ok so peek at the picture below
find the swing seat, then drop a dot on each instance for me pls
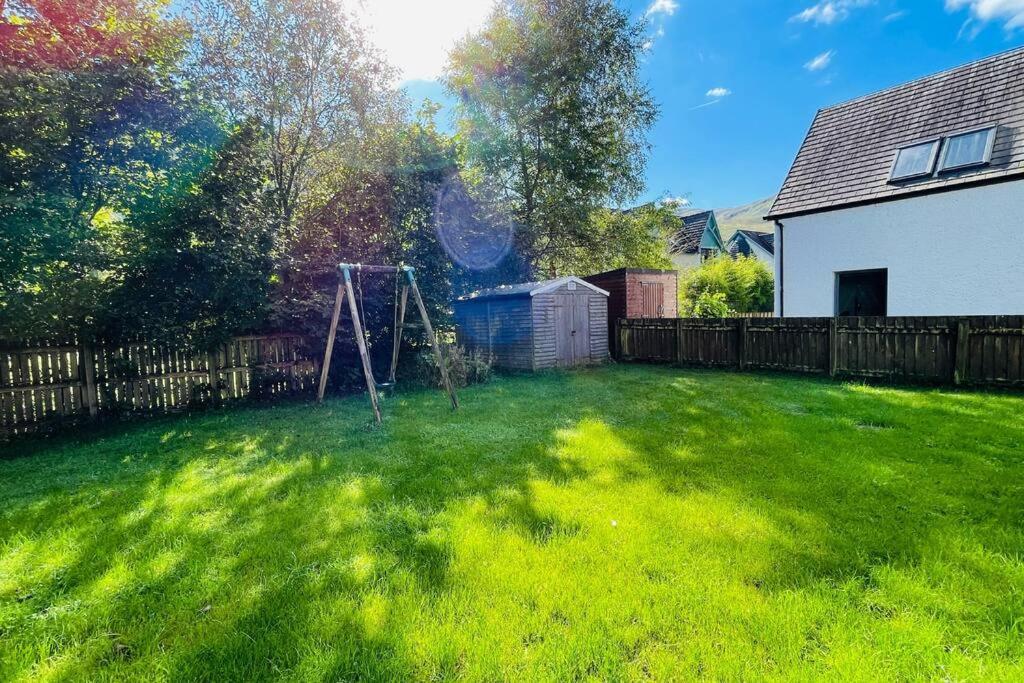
(384, 385)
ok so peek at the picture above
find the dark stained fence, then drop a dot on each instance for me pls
(44, 384)
(979, 351)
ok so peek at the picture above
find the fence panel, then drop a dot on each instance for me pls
(52, 381)
(649, 339)
(980, 351)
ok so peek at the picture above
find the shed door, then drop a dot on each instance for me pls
(581, 330)
(572, 330)
(652, 299)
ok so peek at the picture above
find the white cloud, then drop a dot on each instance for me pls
(821, 61)
(828, 12)
(416, 36)
(719, 92)
(668, 7)
(1010, 12)
(894, 16)
(664, 8)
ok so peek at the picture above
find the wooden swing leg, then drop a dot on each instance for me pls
(357, 325)
(432, 338)
(330, 343)
(399, 324)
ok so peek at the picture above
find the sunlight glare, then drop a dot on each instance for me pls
(415, 35)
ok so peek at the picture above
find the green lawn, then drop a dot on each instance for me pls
(624, 522)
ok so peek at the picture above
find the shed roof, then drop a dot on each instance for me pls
(635, 271)
(527, 289)
(848, 153)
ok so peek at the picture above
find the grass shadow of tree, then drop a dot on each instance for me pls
(264, 524)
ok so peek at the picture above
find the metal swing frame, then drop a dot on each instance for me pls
(345, 290)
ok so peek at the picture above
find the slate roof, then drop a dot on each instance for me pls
(525, 289)
(848, 153)
(765, 240)
(687, 238)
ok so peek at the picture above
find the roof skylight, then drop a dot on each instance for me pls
(973, 148)
(915, 161)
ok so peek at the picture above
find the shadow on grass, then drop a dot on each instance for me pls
(259, 543)
(214, 544)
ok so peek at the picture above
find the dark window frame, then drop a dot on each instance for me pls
(936, 144)
(863, 271)
(986, 157)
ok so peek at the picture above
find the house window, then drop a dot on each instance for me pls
(973, 148)
(707, 254)
(862, 292)
(915, 161)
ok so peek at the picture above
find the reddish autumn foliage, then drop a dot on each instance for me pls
(71, 34)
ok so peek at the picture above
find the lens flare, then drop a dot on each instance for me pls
(472, 227)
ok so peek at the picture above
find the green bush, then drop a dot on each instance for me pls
(724, 285)
(710, 305)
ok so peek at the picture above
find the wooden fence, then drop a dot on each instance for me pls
(980, 351)
(45, 384)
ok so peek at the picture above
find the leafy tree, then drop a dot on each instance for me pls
(623, 239)
(383, 212)
(553, 112)
(198, 270)
(304, 69)
(727, 285)
(70, 34)
(90, 120)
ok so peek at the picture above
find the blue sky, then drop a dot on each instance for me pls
(739, 81)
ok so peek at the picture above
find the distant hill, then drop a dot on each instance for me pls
(746, 217)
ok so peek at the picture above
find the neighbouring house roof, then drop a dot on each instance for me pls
(850, 149)
(688, 238)
(765, 240)
(527, 289)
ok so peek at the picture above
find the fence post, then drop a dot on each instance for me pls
(679, 342)
(616, 338)
(741, 345)
(88, 369)
(833, 346)
(212, 377)
(963, 348)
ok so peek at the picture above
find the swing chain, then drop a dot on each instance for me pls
(366, 332)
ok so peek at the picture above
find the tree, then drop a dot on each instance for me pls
(382, 212)
(552, 111)
(637, 238)
(91, 119)
(725, 285)
(70, 34)
(198, 270)
(304, 69)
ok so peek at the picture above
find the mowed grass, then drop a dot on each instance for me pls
(615, 523)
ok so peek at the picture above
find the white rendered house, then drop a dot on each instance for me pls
(909, 201)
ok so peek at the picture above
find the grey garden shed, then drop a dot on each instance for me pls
(536, 325)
